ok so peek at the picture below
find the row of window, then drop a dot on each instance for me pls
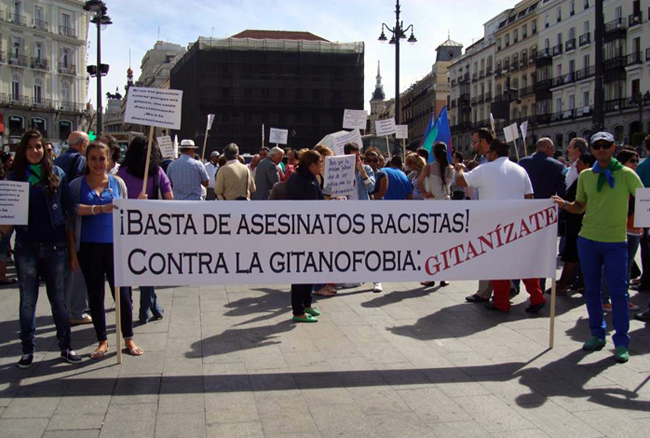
(16, 89)
(16, 14)
(17, 55)
(16, 125)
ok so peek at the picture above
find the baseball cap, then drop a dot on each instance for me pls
(602, 136)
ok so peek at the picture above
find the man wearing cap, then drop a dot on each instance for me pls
(603, 195)
(187, 175)
(211, 167)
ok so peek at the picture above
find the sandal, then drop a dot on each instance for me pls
(137, 351)
(325, 292)
(99, 353)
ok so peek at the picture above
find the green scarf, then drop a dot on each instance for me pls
(34, 174)
(606, 175)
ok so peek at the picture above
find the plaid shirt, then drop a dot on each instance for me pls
(186, 175)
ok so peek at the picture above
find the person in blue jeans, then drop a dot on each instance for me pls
(41, 248)
(603, 194)
(93, 194)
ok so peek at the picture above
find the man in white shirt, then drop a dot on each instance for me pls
(211, 167)
(501, 179)
(576, 147)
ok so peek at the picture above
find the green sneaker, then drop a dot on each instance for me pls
(621, 355)
(594, 344)
(306, 318)
(312, 311)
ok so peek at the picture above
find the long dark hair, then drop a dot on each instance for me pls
(136, 157)
(49, 179)
(440, 154)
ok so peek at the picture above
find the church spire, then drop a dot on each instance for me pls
(379, 88)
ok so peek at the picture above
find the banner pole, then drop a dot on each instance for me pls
(118, 325)
(514, 142)
(388, 148)
(205, 141)
(404, 149)
(551, 339)
(146, 166)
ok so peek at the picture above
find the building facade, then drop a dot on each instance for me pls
(288, 80)
(42, 68)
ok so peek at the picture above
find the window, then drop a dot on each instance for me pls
(65, 92)
(559, 14)
(546, 21)
(524, 31)
(65, 129)
(572, 7)
(533, 26)
(498, 43)
(507, 40)
(586, 4)
(586, 61)
(15, 87)
(38, 17)
(585, 27)
(38, 90)
(39, 124)
(515, 36)
(559, 39)
(16, 125)
(572, 33)
(39, 52)
(66, 57)
(585, 98)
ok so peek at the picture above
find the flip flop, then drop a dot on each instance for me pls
(137, 351)
(98, 354)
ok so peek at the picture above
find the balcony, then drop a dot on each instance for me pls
(474, 77)
(563, 79)
(498, 72)
(40, 25)
(570, 44)
(542, 119)
(67, 69)
(523, 63)
(615, 29)
(562, 115)
(20, 60)
(481, 74)
(615, 105)
(634, 58)
(464, 98)
(514, 66)
(70, 106)
(40, 102)
(532, 58)
(584, 73)
(557, 50)
(526, 91)
(15, 99)
(40, 63)
(16, 19)
(584, 39)
(615, 63)
(453, 82)
(67, 31)
(473, 101)
(584, 111)
(488, 71)
(635, 19)
(543, 57)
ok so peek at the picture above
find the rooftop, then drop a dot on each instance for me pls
(278, 35)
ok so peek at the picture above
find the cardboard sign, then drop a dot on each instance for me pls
(385, 127)
(210, 121)
(402, 131)
(524, 129)
(341, 140)
(14, 203)
(154, 107)
(642, 208)
(166, 147)
(334, 241)
(278, 136)
(511, 132)
(339, 175)
(355, 119)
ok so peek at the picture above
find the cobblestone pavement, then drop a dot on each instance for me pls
(409, 362)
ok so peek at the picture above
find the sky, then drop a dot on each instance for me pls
(138, 24)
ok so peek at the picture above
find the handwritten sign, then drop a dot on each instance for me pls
(154, 107)
(339, 175)
(278, 136)
(355, 119)
(341, 140)
(402, 131)
(14, 203)
(385, 127)
(511, 133)
(642, 208)
(166, 147)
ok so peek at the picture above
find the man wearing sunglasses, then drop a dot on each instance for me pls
(603, 194)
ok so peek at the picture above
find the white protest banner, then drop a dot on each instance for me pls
(402, 131)
(198, 243)
(355, 119)
(524, 129)
(166, 147)
(642, 208)
(14, 203)
(339, 175)
(210, 121)
(154, 107)
(385, 127)
(511, 132)
(278, 136)
(341, 139)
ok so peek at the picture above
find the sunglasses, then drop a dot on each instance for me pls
(598, 146)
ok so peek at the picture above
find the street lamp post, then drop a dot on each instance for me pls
(100, 19)
(398, 32)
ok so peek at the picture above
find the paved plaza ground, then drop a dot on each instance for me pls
(226, 361)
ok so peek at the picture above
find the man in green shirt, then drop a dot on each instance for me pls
(603, 195)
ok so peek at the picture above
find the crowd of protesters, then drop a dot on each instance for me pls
(68, 241)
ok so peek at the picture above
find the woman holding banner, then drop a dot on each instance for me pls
(303, 185)
(94, 193)
(41, 249)
(158, 187)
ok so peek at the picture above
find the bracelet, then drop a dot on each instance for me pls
(92, 209)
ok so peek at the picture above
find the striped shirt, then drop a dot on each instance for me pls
(186, 175)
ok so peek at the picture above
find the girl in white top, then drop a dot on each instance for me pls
(438, 175)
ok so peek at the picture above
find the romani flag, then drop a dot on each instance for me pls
(438, 131)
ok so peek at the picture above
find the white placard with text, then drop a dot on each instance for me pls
(385, 127)
(154, 107)
(355, 119)
(14, 203)
(278, 136)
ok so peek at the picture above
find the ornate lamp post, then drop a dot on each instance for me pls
(98, 7)
(398, 32)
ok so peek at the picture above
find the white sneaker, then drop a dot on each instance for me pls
(377, 288)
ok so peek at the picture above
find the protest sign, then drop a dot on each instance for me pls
(642, 208)
(402, 131)
(385, 127)
(166, 147)
(196, 243)
(355, 119)
(341, 138)
(278, 136)
(154, 107)
(14, 203)
(339, 175)
(524, 129)
(511, 133)
(210, 121)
